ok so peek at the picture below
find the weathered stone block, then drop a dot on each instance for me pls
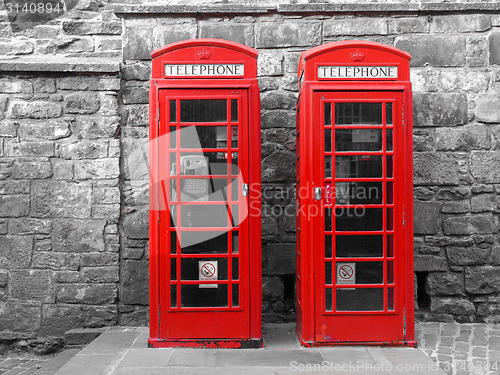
(106, 194)
(278, 100)
(87, 27)
(108, 43)
(44, 85)
(409, 25)
(435, 169)
(457, 207)
(78, 236)
(355, 26)
(461, 23)
(454, 306)
(279, 167)
(15, 251)
(481, 163)
(494, 43)
(135, 285)
(134, 93)
(50, 130)
(35, 110)
(430, 263)
(24, 169)
(82, 103)
(99, 259)
(89, 294)
(476, 224)
(89, 83)
(235, 32)
(468, 137)
(136, 224)
(95, 128)
(84, 150)
(20, 317)
(163, 35)
(29, 149)
(138, 43)
(4, 278)
(426, 217)
(28, 225)
(110, 212)
(14, 205)
(287, 34)
(58, 319)
(270, 64)
(483, 203)
(272, 288)
(17, 48)
(467, 256)
(453, 193)
(278, 119)
(269, 226)
(439, 109)
(434, 50)
(63, 169)
(60, 199)
(137, 115)
(447, 284)
(31, 285)
(56, 261)
(482, 280)
(281, 259)
(15, 86)
(139, 71)
(97, 169)
(484, 110)
(100, 274)
(8, 128)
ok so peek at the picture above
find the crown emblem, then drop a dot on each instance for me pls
(203, 54)
(357, 55)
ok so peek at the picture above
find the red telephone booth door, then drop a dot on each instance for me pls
(206, 269)
(360, 246)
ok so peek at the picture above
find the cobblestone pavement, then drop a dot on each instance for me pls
(21, 365)
(462, 349)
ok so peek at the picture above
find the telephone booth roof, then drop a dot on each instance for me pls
(355, 53)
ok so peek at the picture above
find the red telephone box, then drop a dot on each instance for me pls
(205, 242)
(354, 191)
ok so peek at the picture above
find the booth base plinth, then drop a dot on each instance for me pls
(207, 343)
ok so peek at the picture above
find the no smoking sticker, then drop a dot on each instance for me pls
(346, 273)
(207, 271)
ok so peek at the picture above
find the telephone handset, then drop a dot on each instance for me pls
(192, 188)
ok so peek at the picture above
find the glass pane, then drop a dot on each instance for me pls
(173, 111)
(389, 166)
(204, 216)
(360, 273)
(235, 219)
(388, 113)
(328, 273)
(328, 299)
(190, 268)
(235, 270)
(358, 113)
(358, 139)
(234, 110)
(204, 110)
(173, 137)
(390, 299)
(204, 136)
(328, 113)
(328, 140)
(173, 242)
(236, 295)
(173, 269)
(201, 164)
(194, 296)
(235, 190)
(360, 299)
(358, 192)
(173, 295)
(328, 246)
(328, 166)
(234, 136)
(358, 219)
(234, 163)
(390, 272)
(390, 219)
(204, 190)
(389, 139)
(358, 166)
(359, 246)
(390, 193)
(207, 242)
(236, 238)
(390, 245)
(328, 219)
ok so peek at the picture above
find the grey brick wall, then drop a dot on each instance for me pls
(73, 205)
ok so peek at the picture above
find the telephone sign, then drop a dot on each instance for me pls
(205, 245)
(355, 255)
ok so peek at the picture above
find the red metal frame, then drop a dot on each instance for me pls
(315, 325)
(228, 327)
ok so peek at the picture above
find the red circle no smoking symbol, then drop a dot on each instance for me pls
(345, 272)
(208, 270)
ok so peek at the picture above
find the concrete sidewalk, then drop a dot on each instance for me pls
(122, 351)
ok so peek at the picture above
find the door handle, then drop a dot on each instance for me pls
(317, 193)
(244, 189)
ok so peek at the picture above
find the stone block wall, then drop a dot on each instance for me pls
(73, 154)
